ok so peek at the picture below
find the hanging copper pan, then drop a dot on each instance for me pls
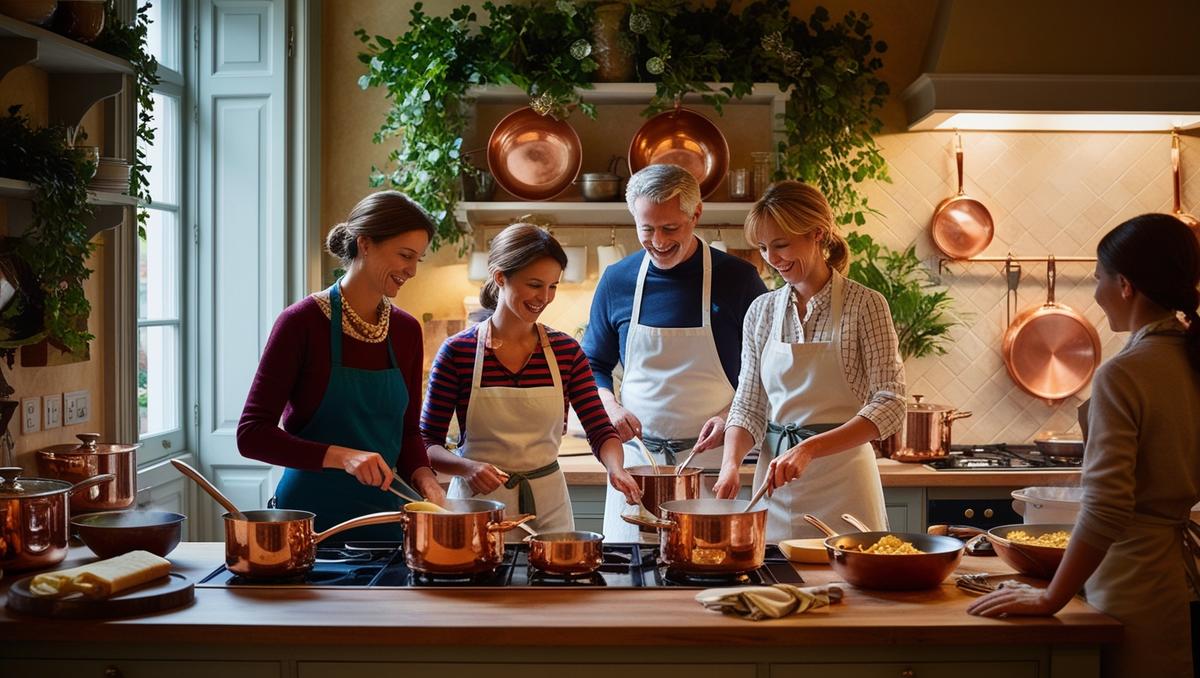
(686, 138)
(1191, 220)
(532, 156)
(961, 227)
(1051, 351)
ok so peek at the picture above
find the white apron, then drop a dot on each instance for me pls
(673, 382)
(805, 385)
(518, 430)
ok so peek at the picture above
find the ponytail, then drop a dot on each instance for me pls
(489, 294)
(838, 255)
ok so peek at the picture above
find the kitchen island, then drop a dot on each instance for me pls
(328, 633)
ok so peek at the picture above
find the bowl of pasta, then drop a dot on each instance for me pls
(1035, 550)
(895, 561)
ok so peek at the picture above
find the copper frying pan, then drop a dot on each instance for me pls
(961, 227)
(1051, 351)
(686, 138)
(1186, 218)
(533, 157)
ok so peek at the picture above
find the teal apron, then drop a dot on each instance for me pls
(363, 410)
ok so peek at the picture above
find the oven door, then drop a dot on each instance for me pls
(983, 513)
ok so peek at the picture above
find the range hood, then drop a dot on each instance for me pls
(1072, 65)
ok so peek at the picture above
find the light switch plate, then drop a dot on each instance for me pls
(31, 415)
(52, 411)
(77, 407)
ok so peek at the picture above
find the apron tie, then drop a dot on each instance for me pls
(520, 480)
(794, 434)
(669, 448)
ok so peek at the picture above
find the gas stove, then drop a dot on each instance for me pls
(626, 566)
(1001, 457)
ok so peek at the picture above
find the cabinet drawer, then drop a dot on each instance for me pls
(122, 668)
(520, 670)
(975, 669)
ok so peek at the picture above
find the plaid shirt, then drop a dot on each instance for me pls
(870, 355)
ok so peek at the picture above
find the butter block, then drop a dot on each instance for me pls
(103, 578)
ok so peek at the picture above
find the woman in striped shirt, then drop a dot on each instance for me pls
(509, 380)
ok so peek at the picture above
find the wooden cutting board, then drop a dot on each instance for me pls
(167, 593)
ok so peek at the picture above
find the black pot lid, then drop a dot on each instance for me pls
(14, 487)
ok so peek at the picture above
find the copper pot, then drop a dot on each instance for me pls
(466, 539)
(33, 518)
(709, 536)
(662, 485)
(532, 156)
(74, 463)
(34, 11)
(926, 432)
(686, 138)
(894, 572)
(962, 227)
(570, 554)
(81, 20)
(278, 543)
(1036, 561)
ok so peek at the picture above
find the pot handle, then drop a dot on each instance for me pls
(511, 523)
(88, 482)
(362, 521)
(958, 414)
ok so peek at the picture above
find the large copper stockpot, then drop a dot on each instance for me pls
(686, 138)
(709, 536)
(532, 156)
(33, 518)
(1051, 351)
(962, 227)
(279, 543)
(925, 434)
(74, 463)
(566, 553)
(468, 538)
(660, 485)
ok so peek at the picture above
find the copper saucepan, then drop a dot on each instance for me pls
(709, 536)
(962, 227)
(662, 484)
(34, 516)
(925, 434)
(76, 462)
(1051, 351)
(569, 554)
(532, 156)
(1191, 220)
(467, 538)
(686, 138)
(280, 543)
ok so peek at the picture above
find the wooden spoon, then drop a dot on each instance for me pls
(649, 457)
(208, 487)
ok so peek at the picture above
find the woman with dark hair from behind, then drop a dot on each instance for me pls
(1132, 544)
(337, 396)
(509, 380)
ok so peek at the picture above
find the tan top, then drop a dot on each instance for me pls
(1143, 437)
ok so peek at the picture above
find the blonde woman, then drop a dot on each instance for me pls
(821, 373)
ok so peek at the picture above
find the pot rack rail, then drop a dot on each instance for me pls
(1015, 259)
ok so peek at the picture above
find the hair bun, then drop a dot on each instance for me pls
(338, 241)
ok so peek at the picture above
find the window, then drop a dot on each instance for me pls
(160, 265)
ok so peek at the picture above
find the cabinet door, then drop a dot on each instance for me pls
(905, 508)
(587, 504)
(521, 670)
(100, 668)
(980, 669)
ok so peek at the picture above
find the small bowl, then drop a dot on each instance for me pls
(113, 533)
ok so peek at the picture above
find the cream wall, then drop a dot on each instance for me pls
(1049, 193)
(26, 85)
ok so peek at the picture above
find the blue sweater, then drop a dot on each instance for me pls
(670, 298)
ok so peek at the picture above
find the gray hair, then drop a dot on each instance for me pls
(660, 183)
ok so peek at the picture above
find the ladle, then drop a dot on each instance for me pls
(208, 487)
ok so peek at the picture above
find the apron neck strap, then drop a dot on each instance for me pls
(485, 330)
(705, 291)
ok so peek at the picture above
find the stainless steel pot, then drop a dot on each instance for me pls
(662, 484)
(925, 434)
(77, 462)
(466, 539)
(709, 536)
(600, 186)
(33, 518)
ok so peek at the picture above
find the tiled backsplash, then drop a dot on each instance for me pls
(1048, 193)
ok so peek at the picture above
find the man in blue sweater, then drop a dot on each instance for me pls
(672, 317)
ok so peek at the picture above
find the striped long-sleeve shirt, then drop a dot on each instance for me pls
(450, 385)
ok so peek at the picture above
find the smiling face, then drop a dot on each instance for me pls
(665, 231)
(528, 292)
(388, 264)
(796, 257)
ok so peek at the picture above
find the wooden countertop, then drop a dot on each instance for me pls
(582, 468)
(524, 617)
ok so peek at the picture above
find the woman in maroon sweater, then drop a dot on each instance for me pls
(509, 380)
(336, 398)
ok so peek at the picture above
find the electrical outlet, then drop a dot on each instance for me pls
(77, 407)
(31, 415)
(52, 411)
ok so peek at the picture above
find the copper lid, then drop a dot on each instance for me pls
(12, 486)
(88, 444)
(917, 406)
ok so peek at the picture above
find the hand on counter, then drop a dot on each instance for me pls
(1017, 600)
(368, 467)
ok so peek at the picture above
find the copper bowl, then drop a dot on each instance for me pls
(534, 157)
(686, 138)
(1036, 561)
(910, 572)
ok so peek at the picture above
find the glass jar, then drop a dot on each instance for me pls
(764, 168)
(739, 184)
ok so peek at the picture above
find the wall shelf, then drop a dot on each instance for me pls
(571, 214)
(109, 212)
(624, 93)
(59, 54)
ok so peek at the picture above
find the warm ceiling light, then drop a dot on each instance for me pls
(1064, 122)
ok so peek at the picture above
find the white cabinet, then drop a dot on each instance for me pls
(162, 488)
